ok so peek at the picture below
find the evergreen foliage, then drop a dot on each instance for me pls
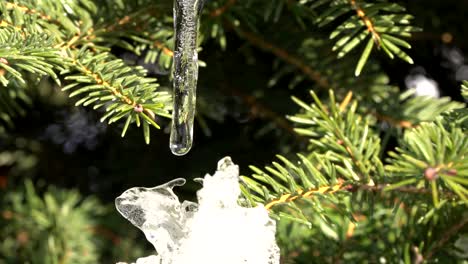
(59, 226)
(38, 228)
(377, 175)
(341, 185)
(69, 43)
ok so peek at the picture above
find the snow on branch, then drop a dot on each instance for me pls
(216, 230)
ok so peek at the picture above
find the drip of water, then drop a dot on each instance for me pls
(186, 17)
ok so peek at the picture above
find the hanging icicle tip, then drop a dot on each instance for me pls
(186, 18)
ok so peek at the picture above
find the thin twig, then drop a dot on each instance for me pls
(221, 10)
(289, 197)
(106, 233)
(261, 110)
(120, 22)
(446, 237)
(366, 20)
(284, 55)
(286, 198)
(28, 10)
(394, 122)
(104, 83)
(163, 48)
(381, 187)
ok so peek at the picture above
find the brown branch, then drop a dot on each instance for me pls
(68, 44)
(120, 22)
(101, 81)
(261, 110)
(289, 197)
(164, 49)
(136, 17)
(402, 189)
(129, 18)
(97, 78)
(28, 10)
(446, 237)
(285, 198)
(394, 122)
(41, 15)
(31, 11)
(106, 233)
(4, 23)
(219, 11)
(284, 55)
(367, 21)
(381, 187)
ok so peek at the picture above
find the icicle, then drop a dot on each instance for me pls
(186, 16)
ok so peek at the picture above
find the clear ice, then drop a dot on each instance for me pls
(216, 230)
(186, 16)
(158, 213)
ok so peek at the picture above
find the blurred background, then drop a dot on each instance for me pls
(241, 113)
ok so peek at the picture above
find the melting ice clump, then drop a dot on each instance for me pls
(216, 230)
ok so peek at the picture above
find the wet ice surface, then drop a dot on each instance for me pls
(158, 213)
(186, 17)
(216, 230)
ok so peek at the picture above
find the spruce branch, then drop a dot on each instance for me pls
(302, 194)
(106, 81)
(14, 6)
(464, 90)
(366, 20)
(312, 178)
(344, 153)
(344, 132)
(31, 53)
(445, 238)
(433, 156)
(258, 109)
(60, 23)
(459, 116)
(79, 46)
(58, 217)
(343, 160)
(258, 41)
(406, 110)
(380, 24)
(23, 56)
(137, 31)
(314, 51)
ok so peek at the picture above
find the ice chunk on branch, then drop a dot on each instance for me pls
(216, 230)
